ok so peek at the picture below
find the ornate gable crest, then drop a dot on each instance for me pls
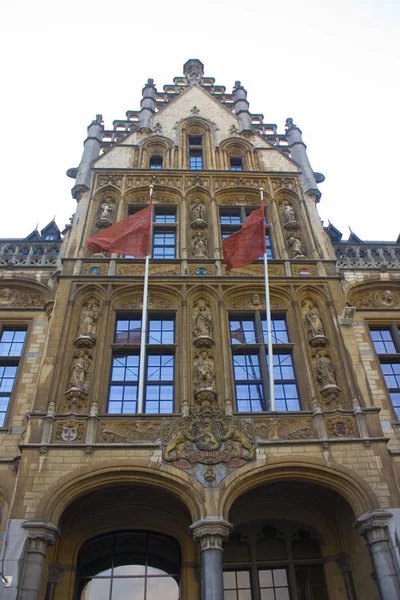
(208, 440)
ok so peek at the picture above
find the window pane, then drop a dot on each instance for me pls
(383, 341)
(128, 331)
(11, 342)
(165, 215)
(279, 331)
(97, 589)
(230, 217)
(242, 331)
(246, 366)
(128, 588)
(161, 331)
(165, 588)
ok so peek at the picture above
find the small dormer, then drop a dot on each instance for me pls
(334, 234)
(34, 236)
(51, 232)
(354, 239)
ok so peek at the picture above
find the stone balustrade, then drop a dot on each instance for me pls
(29, 254)
(367, 256)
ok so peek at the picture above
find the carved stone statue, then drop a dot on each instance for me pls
(88, 324)
(315, 330)
(105, 213)
(198, 216)
(199, 246)
(325, 371)
(289, 217)
(202, 326)
(288, 212)
(204, 372)
(296, 247)
(79, 370)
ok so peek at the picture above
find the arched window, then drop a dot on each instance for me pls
(129, 564)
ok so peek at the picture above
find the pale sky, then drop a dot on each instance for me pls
(331, 65)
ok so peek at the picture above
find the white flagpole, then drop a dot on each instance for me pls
(143, 337)
(269, 329)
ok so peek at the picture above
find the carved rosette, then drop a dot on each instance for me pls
(210, 533)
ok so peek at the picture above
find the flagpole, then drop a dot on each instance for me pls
(143, 337)
(269, 328)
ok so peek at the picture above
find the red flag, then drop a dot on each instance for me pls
(246, 245)
(129, 236)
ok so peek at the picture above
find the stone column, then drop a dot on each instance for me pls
(147, 106)
(241, 108)
(41, 535)
(298, 150)
(373, 526)
(55, 572)
(210, 532)
(343, 561)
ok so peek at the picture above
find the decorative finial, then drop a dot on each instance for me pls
(289, 123)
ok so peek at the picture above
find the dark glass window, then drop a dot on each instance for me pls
(236, 163)
(164, 231)
(159, 366)
(248, 336)
(264, 566)
(156, 162)
(232, 218)
(164, 243)
(195, 160)
(136, 564)
(11, 347)
(195, 152)
(386, 341)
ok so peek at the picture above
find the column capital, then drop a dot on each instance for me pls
(210, 532)
(373, 521)
(42, 531)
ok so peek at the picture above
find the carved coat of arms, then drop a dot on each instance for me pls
(70, 431)
(208, 437)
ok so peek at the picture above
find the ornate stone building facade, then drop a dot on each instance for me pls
(205, 493)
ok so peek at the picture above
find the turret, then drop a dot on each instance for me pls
(298, 150)
(91, 151)
(147, 106)
(241, 107)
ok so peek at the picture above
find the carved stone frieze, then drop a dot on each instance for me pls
(228, 182)
(284, 429)
(137, 302)
(145, 181)
(165, 269)
(340, 426)
(254, 301)
(125, 432)
(70, 431)
(110, 179)
(257, 270)
(209, 437)
(197, 181)
(130, 269)
(95, 269)
(20, 298)
(283, 182)
(376, 299)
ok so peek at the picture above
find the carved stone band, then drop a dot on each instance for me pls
(210, 533)
(39, 530)
(374, 520)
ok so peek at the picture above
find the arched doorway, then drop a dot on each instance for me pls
(295, 540)
(128, 541)
(125, 565)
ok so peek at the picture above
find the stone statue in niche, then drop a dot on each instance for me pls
(315, 331)
(198, 216)
(202, 326)
(79, 370)
(325, 373)
(199, 246)
(289, 217)
(296, 247)
(76, 396)
(88, 324)
(105, 213)
(204, 379)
